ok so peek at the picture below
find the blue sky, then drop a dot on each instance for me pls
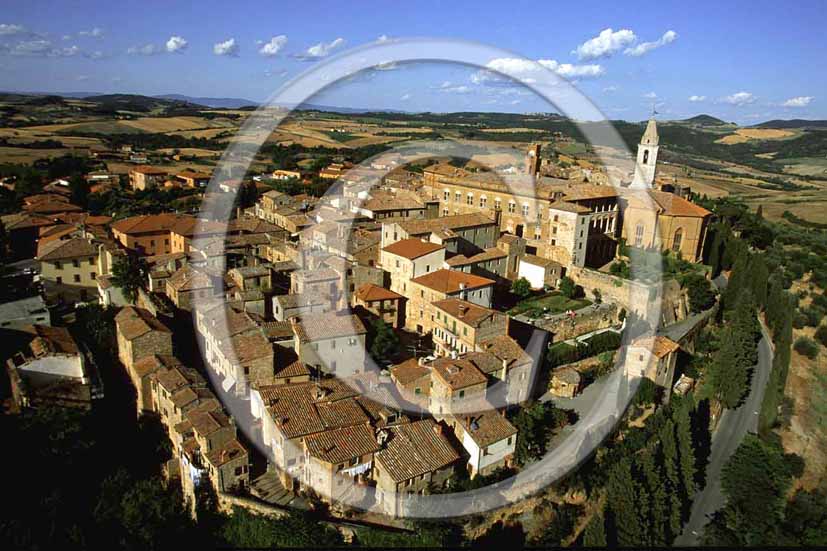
(742, 61)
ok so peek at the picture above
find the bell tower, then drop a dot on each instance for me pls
(647, 157)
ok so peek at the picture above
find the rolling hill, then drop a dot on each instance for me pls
(792, 123)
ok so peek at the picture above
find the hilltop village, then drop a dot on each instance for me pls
(366, 346)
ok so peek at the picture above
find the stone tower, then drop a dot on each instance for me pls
(533, 161)
(647, 157)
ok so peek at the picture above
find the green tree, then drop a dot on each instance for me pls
(297, 529)
(79, 188)
(821, 335)
(385, 341)
(129, 272)
(567, 287)
(594, 535)
(700, 292)
(521, 287)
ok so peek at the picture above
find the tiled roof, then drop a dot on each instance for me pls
(458, 373)
(65, 249)
(565, 206)
(674, 205)
(370, 292)
(50, 340)
(538, 261)
(153, 170)
(294, 408)
(486, 428)
(409, 371)
(507, 349)
(149, 223)
(660, 346)
(313, 327)
(342, 445)
(454, 222)
(412, 248)
(153, 363)
(465, 311)
(133, 322)
(226, 453)
(414, 449)
(450, 281)
(187, 278)
(488, 254)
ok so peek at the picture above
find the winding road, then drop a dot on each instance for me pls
(732, 427)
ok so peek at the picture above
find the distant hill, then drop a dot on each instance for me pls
(704, 120)
(793, 123)
(219, 103)
(138, 103)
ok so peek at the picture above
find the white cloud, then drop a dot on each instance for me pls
(697, 99)
(7, 29)
(382, 38)
(528, 71)
(610, 89)
(646, 47)
(321, 49)
(605, 44)
(97, 54)
(176, 44)
(650, 95)
(452, 88)
(405, 97)
(146, 49)
(94, 33)
(798, 101)
(39, 48)
(739, 98)
(81, 78)
(274, 46)
(226, 48)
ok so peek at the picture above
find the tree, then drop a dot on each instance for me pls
(79, 188)
(700, 292)
(129, 272)
(385, 341)
(521, 287)
(297, 529)
(821, 335)
(535, 424)
(727, 373)
(806, 347)
(594, 535)
(567, 287)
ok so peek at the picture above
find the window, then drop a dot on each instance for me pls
(511, 206)
(59, 280)
(676, 241)
(538, 233)
(446, 196)
(458, 197)
(646, 156)
(76, 278)
(556, 217)
(525, 210)
(58, 266)
(397, 262)
(333, 344)
(638, 235)
(444, 212)
(462, 394)
(469, 200)
(93, 275)
(76, 263)
(483, 201)
(427, 268)
(497, 204)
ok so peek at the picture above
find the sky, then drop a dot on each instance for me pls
(740, 61)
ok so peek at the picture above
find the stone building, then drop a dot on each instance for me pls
(410, 258)
(425, 290)
(69, 269)
(461, 326)
(382, 303)
(140, 335)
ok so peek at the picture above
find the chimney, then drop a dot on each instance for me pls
(462, 309)
(438, 429)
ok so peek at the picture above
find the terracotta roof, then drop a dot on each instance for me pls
(50, 340)
(133, 322)
(674, 205)
(187, 278)
(149, 223)
(412, 248)
(151, 170)
(454, 222)
(507, 349)
(492, 253)
(568, 375)
(538, 261)
(450, 281)
(370, 292)
(565, 206)
(660, 346)
(226, 453)
(294, 408)
(486, 428)
(409, 371)
(153, 363)
(414, 449)
(458, 373)
(313, 327)
(465, 311)
(188, 227)
(342, 445)
(191, 174)
(205, 423)
(65, 249)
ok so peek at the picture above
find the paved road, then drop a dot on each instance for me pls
(732, 428)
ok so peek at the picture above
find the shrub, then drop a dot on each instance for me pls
(821, 335)
(806, 347)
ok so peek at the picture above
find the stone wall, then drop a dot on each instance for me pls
(588, 319)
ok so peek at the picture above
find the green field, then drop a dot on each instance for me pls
(555, 302)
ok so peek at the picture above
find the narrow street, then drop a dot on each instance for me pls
(732, 427)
